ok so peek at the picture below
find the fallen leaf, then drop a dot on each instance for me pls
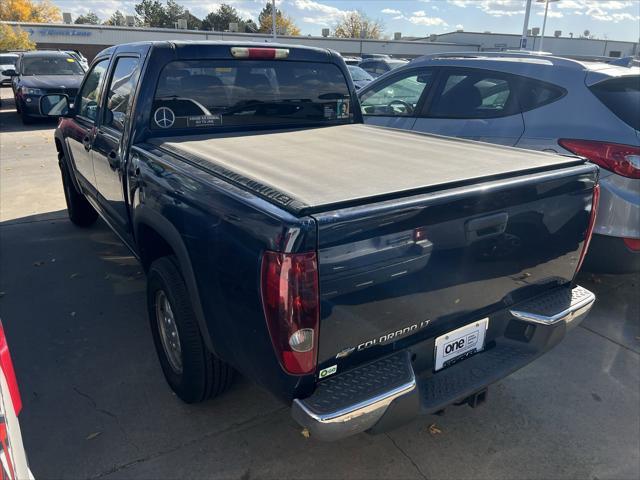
(73, 314)
(2, 294)
(305, 433)
(93, 435)
(38, 264)
(74, 275)
(434, 429)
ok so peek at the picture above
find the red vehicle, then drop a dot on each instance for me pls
(13, 459)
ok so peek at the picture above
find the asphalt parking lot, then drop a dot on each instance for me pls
(96, 405)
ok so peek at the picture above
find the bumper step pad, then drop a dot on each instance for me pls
(465, 378)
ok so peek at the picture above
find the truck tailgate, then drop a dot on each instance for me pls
(401, 271)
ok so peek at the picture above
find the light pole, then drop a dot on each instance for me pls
(523, 39)
(544, 22)
(273, 17)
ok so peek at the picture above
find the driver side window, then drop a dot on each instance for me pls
(88, 98)
(398, 98)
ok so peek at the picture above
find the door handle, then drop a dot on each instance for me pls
(114, 160)
(487, 226)
(86, 141)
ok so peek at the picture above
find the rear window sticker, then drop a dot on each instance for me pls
(164, 117)
(343, 109)
(329, 111)
(204, 120)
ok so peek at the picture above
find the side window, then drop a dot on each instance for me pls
(475, 95)
(88, 96)
(397, 98)
(120, 92)
(533, 94)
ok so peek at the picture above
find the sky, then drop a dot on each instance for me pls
(607, 19)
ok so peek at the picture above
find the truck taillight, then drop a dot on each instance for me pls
(290, 299)
(592, 222)
(632, 244)
(615, 157)
(259, 53)
(9, 373)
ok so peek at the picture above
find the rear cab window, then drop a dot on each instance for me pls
(222, 93)
(621, 95)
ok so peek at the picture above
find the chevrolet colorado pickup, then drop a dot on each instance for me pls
(363, 275)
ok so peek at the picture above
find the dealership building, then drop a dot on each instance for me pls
(90, 39)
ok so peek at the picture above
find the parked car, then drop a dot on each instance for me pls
(352, 60)
(542, 103)
(13, 459)
(376, 66)
(39, 73)
(80, 58)
(359, 76)
(626, 62)
(7, 61)
(363, 275)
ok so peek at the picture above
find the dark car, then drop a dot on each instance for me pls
(359, 76)
(379, 66)
(40, 73)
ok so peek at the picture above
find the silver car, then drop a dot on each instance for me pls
(538, 102)
(7, 61)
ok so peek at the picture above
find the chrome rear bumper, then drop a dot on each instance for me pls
(380, 392)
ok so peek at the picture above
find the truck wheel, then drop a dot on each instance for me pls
(193, 373)
(80, 211)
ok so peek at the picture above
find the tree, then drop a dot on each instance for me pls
(284, 23)
(88, 19)
(29, 11)
(220, 19)
(151, 13)
(14, 39)
(154, 14)
(116, 19)
(358, 25)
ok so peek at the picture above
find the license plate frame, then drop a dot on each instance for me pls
(459, 344)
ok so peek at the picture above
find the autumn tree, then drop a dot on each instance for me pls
(284, 23)
(358, 25)
(88, 19)
(29, 11)
(14, 39)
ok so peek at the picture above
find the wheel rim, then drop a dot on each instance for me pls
(168, 332)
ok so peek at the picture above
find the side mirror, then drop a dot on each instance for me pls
(423, 78)
(10, 72)
(54, 105)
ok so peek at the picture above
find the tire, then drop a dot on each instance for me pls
(80, 211)
(201, 375)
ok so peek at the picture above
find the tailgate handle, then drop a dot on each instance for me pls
(486, 227)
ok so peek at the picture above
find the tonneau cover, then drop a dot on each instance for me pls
(309, 170)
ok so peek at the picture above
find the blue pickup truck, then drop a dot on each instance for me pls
(363, 275)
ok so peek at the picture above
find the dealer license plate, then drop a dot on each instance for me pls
(455, 346)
